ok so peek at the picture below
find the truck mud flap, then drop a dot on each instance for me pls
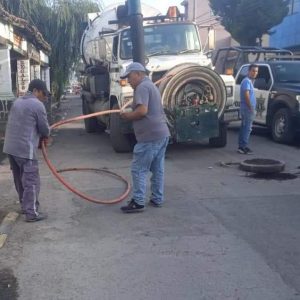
(194, 124)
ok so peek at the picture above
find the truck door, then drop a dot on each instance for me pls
(115, 67)
(239, 78)
(262, 86)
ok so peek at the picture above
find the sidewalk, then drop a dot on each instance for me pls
(8, 199)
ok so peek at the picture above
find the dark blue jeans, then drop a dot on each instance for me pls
(149, 156)
(247, 117)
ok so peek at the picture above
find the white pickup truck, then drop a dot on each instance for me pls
(277, 87)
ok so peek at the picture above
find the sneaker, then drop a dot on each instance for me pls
(154, 204)
(242, 150)
(37, 218)
(249, 151)
(132, 207)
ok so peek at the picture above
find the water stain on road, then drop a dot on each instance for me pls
(273, 176)
(8, 285)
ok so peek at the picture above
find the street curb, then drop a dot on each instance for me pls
(6, 226)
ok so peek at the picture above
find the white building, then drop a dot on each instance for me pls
(213, 34)
(23, 57)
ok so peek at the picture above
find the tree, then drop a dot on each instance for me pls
(248, 20)
(61, 23)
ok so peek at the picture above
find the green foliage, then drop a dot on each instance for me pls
(61, 23)
(248, 20)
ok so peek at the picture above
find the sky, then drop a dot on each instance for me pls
(162, 5)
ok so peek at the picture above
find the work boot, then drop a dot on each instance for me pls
(132, 207)
(39, 217)
(242, 150)
(249, 151)
(154, 204)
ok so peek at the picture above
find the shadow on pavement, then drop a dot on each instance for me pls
(2, 155)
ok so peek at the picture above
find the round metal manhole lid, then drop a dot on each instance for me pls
(262, 165)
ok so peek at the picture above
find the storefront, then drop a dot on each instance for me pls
(23, 57)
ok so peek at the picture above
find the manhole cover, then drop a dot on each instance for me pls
(262, 165)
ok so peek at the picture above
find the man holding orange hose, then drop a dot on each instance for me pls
(27, 124)
(152, 134)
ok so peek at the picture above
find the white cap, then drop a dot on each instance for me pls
(135, 66)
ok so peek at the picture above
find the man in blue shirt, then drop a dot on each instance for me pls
(248, 105)
(152, 134)
(27, 124)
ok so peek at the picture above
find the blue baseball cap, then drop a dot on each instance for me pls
(135, 66)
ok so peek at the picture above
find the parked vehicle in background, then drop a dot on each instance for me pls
(68, 90)
(76, 89)
(277, 86)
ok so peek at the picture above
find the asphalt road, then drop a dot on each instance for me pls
(222, 234)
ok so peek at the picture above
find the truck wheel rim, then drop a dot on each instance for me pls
(280, 126)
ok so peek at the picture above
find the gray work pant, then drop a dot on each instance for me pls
(27, 183)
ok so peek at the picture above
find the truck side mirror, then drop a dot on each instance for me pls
(211, 39)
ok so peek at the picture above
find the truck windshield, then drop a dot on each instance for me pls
(287, 72)
(164, 40)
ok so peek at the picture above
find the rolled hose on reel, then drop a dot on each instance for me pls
(188, 80)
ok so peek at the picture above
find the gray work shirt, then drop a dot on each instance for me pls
(27, 122)
(153, 126)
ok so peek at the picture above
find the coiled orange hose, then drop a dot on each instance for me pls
(70, 187)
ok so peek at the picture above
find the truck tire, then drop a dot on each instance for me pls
(282, 127)
(221, 140)
(121, 142)
(91, 124)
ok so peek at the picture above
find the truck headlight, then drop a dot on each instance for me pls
(229, 91)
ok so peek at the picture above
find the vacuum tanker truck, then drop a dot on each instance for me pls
(194, 96)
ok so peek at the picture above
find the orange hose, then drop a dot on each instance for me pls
(70, 187)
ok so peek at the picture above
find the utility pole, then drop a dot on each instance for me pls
(194, 11)
(137, 30)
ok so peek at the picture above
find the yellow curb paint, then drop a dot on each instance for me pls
(3, 238)
(11, 217)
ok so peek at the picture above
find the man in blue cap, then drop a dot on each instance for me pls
(27, 124)
(152, 135)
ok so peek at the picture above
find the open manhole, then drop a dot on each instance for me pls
(262, 166)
